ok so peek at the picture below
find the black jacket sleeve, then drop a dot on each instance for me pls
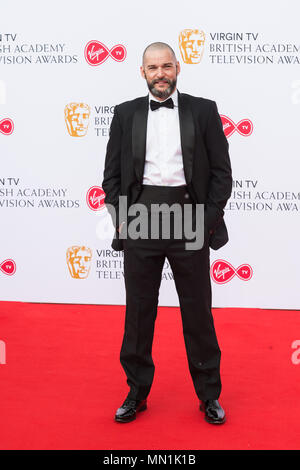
(112, 168)
(220, 169)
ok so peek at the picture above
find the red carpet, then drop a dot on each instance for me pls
(62, 381)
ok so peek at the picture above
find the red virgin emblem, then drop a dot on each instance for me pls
(221, 271)
(96, 53)
(243, 127)
(95, 198)
(8, 267)
(6, 126)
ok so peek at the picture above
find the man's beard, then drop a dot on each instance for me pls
(163, 94)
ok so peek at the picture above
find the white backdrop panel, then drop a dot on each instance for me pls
(254, 76)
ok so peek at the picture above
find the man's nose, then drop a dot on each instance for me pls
(160, 72)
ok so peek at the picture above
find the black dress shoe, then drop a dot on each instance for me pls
(127, 412)
(214, 413)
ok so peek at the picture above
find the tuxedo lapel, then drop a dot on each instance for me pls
(139, 134)
(187, 134)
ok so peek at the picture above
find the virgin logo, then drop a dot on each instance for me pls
(243, 127)
(96, 53)
(8, 267)
(95, 198)
(6, 126)
(221, 271)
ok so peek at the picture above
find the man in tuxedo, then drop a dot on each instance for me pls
(168, 148)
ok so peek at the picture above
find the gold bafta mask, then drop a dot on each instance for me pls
(77, 117)
(79, 261)
(191, 45)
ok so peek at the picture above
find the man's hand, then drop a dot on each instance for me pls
(120, 227)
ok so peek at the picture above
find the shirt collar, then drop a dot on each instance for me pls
(174, 97)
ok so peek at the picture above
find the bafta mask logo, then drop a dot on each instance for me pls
(77, 117)
(79, 261)
(191, 45)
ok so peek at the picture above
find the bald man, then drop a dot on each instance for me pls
(167, 149)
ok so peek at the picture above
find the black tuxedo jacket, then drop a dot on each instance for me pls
(206, 160)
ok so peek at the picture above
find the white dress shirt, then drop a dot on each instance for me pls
(163, 160)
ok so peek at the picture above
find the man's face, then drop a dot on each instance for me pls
(160, 69)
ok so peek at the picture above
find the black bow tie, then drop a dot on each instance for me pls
(158, 104)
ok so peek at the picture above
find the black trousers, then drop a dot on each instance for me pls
(143, 264)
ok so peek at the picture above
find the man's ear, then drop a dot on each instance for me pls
(178, 67)
(142, 71)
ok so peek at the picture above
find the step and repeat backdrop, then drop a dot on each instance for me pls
(65, 65)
